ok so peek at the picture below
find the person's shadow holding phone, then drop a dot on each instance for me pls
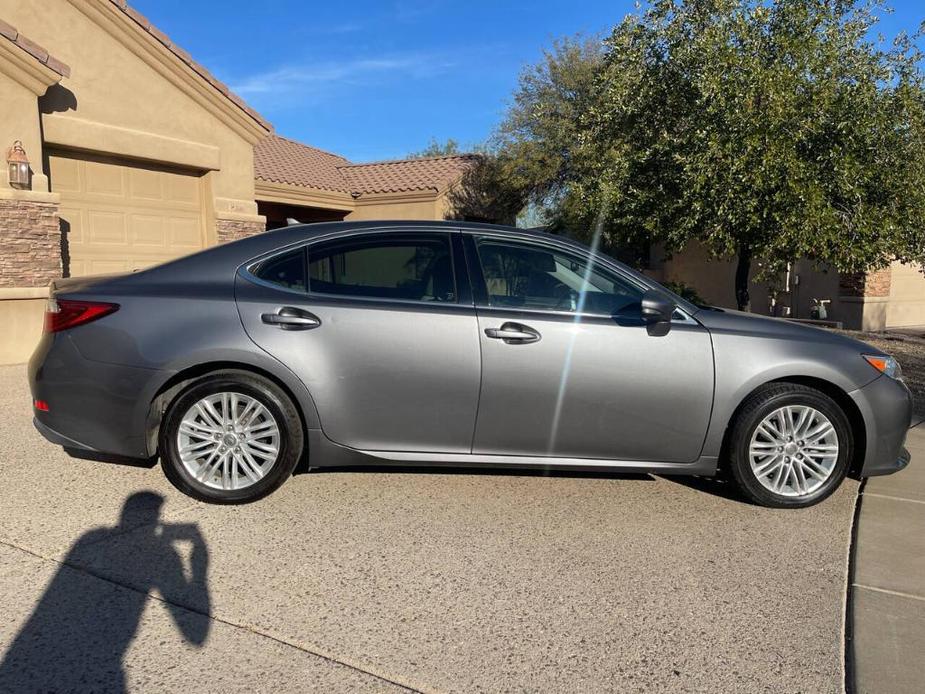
(79, 632)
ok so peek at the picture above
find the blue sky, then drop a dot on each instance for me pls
(377, 80)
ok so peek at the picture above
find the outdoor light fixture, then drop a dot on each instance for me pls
(18, 166)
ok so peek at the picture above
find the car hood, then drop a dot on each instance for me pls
(740, 323)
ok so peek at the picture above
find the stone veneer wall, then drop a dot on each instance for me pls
(870, 284)
(232, 230)
(30, 243)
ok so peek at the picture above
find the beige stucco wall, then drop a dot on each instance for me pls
(128, 96)
(419, 206)
(907, 297)
(22, 79)
(714, 281)
(22, 325)
(123, 97)
(19, 120)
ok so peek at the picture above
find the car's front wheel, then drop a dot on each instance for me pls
(230, 437)
(790, 446)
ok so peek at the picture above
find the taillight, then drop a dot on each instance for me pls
(61, 314)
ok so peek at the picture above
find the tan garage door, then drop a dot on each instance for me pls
(119, 215)
(907, 297)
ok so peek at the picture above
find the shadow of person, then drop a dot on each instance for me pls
(78, 634)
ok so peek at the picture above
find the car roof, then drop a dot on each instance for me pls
(299, 232)
(386, 225)
(212, 264)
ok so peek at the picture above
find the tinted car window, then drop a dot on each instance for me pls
(287, 270)
(418, 268)
(536, 277)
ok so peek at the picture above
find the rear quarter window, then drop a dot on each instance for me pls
(286, 270)
(414, 267)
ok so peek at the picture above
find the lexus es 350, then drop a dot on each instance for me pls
(453, 344)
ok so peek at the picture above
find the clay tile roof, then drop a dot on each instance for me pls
(403, 175)
(161, 37)
(32, 48)
(280, 160)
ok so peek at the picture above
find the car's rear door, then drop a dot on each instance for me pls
(381, 328)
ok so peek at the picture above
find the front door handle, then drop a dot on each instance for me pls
(291, 318)
(513, 334)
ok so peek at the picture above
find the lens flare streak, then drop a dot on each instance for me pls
(575, 332)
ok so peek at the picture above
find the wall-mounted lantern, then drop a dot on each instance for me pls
(18, 166)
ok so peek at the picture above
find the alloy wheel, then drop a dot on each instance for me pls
(228, 441)
(794, 450)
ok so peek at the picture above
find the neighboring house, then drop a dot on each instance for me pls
(138, 155)
(295, 181)
(890, 298)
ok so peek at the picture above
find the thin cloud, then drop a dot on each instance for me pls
(345, 28)
(412, 10)
(289, 78)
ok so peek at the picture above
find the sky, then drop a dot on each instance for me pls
(378, 80)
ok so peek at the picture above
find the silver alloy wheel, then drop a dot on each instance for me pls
(793, 450)
(228, 441)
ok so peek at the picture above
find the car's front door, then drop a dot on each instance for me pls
(569, 369)
(381, 329)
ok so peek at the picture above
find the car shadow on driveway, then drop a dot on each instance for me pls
(716, 486)
(432, 469)
(80, 630)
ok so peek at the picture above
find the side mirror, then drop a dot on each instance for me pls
(657, 310)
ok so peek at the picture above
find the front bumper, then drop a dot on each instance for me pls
(886, 406)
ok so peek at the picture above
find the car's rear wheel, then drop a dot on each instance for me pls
(790, 446)
(230, 437)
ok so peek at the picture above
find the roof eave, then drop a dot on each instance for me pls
(290, 194)
(125, 25)
(23, 67)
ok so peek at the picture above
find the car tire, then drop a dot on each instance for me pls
(197, 453)
(790, 446)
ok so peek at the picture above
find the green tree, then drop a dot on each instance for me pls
(766, 131)
(485, 192)
(437, 149)
(538, 146)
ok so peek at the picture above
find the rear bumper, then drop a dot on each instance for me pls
(56, 437)
(886, 406)
(92, 406)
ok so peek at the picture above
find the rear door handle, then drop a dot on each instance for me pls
(291, 318)
(513, 334)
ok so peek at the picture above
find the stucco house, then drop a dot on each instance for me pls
(137, 154)
(134, 154)
(893, 297)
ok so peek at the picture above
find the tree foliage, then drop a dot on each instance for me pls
(437, 149)
(485, 193)
(765, 131)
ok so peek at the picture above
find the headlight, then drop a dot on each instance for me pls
(885, 365)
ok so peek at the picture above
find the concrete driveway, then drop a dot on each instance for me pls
(381, 580)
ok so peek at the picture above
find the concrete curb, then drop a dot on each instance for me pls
(885, 629)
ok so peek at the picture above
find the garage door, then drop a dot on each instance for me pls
(119, 215)
(907, 297)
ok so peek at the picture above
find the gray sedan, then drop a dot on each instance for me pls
(456, 344)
